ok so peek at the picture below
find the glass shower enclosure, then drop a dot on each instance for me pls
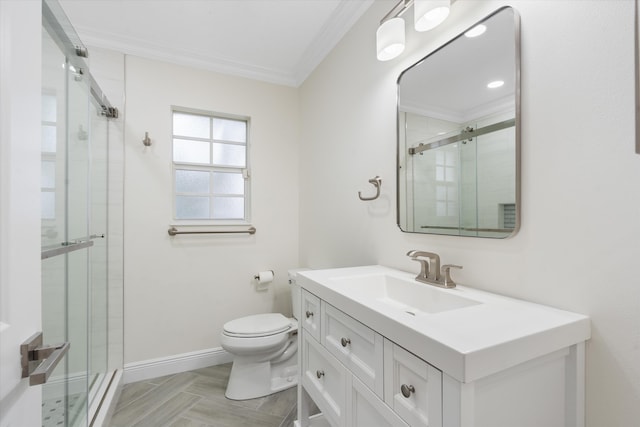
(81, 242)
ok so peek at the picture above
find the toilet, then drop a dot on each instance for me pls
(264, 349)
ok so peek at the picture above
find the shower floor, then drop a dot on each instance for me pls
(54, 410)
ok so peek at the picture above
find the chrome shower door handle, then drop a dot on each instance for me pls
(32, 350)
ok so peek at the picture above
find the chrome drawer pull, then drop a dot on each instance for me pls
(345, 341)
(319, 374)
(309, 313)
(407, 390)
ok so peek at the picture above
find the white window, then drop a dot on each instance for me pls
(48, 150)
(210, 167)
(446, 185)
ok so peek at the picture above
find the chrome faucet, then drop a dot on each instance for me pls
(430, 271)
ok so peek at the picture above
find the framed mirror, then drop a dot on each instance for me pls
(459, 134)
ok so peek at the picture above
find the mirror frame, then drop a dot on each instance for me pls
(636, 48)
(518, 117)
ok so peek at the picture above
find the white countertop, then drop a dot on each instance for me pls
(466, 343)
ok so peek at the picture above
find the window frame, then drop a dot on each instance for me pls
(211, 167)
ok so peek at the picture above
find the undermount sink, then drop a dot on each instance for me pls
(410, 297)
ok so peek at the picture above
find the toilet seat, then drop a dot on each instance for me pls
(257, 325)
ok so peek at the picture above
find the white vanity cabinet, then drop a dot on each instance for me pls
(325, 379)
(310, 316)
(413, 388)
(356, 377)
(364, 408)
(359, 348)
(491, 362)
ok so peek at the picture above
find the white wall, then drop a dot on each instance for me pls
(578, 245)
(179, 291)
(107, 67)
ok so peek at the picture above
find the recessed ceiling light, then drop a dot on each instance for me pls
(495, 84)
(476, 31)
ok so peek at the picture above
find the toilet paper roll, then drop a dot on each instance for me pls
(264, 278)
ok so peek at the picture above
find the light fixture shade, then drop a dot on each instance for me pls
(430, 13)
(390, 39)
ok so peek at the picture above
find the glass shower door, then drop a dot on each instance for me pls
(98, 220)
(78, 267)
(81, 301)
(65, 274)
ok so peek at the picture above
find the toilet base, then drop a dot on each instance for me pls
(250, 380)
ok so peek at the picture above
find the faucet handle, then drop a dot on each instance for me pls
(446, 275)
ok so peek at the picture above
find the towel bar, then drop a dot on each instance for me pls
(173, 231)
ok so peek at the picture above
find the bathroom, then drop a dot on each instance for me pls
(315, 143)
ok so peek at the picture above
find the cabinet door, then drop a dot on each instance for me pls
(324, 379)
(413, 388)
(310, 316)
(365, 409)
(358, 347)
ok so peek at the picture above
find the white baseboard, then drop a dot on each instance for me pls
(153, 368)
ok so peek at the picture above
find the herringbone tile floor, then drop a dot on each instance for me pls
(196, 399)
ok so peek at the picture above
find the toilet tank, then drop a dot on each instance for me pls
(295, 290)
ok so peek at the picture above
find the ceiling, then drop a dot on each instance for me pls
(451, 83)
(278, 41)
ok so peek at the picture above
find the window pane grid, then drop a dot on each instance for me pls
(211, 140)
(48, 156)
(212, 182)
(212, 185)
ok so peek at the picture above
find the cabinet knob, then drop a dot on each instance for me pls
(407, 390)
(309, 313)
(345, 342)
(319, 374)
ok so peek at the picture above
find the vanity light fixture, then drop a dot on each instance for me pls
(390, 39)
(495, 84)
(430, 13)
(390, 36)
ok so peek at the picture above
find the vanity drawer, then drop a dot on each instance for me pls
(325, 380)
(310, 316)
(413, 388)
(357, 346)
(365, 409)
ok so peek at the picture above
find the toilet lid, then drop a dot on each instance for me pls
(258, 325)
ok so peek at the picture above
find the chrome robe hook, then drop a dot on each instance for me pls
(376, 182)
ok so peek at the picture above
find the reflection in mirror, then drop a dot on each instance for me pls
(458, 134)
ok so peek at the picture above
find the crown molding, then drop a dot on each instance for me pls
(341, 20)
(145, 49)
